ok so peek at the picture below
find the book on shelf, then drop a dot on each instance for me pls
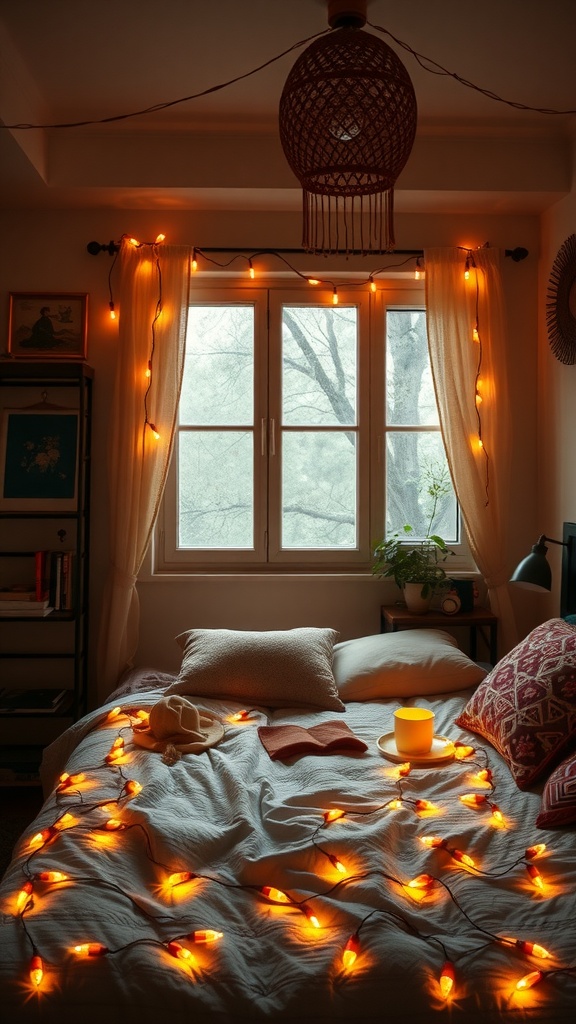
(16, 602)
(43, 700)
(17, 593)
(61, 580)
(26, 611)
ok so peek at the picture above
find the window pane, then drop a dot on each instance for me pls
(218, 383)
(319, 370)
(319, 490)
(418, 486)
(215, 485)
(410, 399)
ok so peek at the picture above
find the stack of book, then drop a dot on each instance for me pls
(42, 701)
(54, 578)
(16, 603)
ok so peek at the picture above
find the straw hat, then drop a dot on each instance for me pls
(176, 722)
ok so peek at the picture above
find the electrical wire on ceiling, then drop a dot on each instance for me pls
(426, 63)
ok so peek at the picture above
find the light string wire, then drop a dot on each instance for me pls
(172, 945)
(426, 63)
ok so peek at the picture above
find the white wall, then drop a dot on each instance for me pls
(46, 251)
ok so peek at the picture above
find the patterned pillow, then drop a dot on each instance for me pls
(559, 796)
(526, 706)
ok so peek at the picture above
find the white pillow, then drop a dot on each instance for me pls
(290, 668)
(410, 663)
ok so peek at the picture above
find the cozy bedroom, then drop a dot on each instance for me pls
(287, 511)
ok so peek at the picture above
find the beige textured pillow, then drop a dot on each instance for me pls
(410, 663)
(279, 668)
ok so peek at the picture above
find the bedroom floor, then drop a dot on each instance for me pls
(18, 806)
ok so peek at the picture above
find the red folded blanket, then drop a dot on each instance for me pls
(282, 741)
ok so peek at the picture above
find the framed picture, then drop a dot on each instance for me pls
(39, 460)
(47, 326)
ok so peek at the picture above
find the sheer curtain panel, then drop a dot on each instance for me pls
(153, 298)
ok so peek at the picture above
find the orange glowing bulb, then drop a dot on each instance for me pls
(422, 882)
(24, 895)
(350, 951)
(36, 970)
(475, 335)
(529, 979)
(335, 298)
(112, 313)
(155, 433)
(466, 274)
(462, 858)
(114, 825)
(372, 285)
(113, 714)
(432, 842)
(333, 814)
(462, 750)
(313, 280)
(423, 805)
(160, 238)
(141, 719)
(403, 769)
(134, 242)
(533, 949)
(473, 799)
(535, 851)
(395, 804)
(179, 951)
(336, 863)
(535, 876)
(90, 949)
(180, 877)
(132, 787)
(447, 979)
(276, 895)
(52, 876)
(497, 814)
(239, 716)
(204, 935)
(310, 915)
(484, 775)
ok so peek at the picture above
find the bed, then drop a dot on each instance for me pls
(228, 868)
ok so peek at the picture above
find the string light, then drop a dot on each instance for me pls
(335, 296)
(179, 951)
(531, 948)
(535, 851)
(112, 309)
(350, 951)
(529, 980)
(180, 878)
(447, 978)
(90, 949)
(418, 272)
(24, 896)
(309, 913)
(333, 814)
(36, 970)
(204, 935)
(535, 876)
(52, 876)
(251, 272)
(275, 895)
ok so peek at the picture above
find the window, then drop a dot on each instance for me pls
(306, 430)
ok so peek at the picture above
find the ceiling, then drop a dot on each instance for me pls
(68, 61)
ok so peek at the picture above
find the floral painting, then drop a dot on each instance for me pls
(39, 452)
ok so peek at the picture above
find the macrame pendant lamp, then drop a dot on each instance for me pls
(348, 117)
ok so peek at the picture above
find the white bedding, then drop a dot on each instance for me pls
(243, 821)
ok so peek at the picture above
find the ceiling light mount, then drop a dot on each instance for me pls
(347, 13)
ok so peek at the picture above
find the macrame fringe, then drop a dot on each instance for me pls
(361, 225)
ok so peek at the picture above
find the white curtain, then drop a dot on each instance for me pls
(466, 364)
(152, 305)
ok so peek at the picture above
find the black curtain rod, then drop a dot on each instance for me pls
(94, 248)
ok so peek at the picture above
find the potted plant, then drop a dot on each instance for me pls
(416, 568)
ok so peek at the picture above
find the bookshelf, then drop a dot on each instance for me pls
(45, 413)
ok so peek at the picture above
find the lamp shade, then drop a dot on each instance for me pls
(347, 121)
(534, 571)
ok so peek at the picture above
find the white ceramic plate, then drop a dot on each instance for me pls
(441, 752)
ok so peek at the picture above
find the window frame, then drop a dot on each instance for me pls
(267, 557)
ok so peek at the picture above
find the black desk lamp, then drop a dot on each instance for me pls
(534, 571)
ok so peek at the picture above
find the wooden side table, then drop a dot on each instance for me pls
(396, 617)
